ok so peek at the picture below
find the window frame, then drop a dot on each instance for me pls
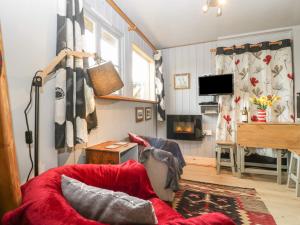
(150, 60)
(100, 25)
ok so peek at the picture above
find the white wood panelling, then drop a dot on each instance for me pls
(198, 60)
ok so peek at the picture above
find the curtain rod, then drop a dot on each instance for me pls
(132, 26)
(243, 46)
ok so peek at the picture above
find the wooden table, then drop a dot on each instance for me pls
(266, 135)
(99, 154)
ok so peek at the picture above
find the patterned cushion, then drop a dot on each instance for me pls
(136, 139)
(107, 206)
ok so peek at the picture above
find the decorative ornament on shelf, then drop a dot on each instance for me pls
(214, 3)
(263, 102)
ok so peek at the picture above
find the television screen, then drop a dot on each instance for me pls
(216, 85)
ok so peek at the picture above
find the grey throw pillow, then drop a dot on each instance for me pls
(107, 206)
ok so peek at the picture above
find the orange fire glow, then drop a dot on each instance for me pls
(184, 129)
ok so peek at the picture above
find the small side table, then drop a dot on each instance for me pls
(99, 154)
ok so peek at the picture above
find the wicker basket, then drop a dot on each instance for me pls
(105, 79)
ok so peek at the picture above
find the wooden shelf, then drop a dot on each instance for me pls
(123, 98)
(209, 109)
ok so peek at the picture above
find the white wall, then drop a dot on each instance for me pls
(115, 120)
(29, 35)
(197, 60)
(29, 29)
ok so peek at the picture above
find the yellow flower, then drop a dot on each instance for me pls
(264, 101)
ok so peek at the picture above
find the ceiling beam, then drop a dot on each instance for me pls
(132, 26)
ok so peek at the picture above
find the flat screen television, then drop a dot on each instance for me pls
(216, 84)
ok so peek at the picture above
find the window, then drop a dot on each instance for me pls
(142, 74)
(109, 43)
(103, 39)
(90, 37)
(109, 48)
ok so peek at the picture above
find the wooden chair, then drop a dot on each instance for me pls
(294, 172)
(225, 145)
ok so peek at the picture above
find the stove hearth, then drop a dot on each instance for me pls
(184, 127)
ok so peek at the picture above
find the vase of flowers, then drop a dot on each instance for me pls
(262, 103)
(262, 115)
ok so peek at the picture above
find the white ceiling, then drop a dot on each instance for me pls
(170, 23)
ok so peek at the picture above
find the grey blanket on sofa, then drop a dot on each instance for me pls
(174, 168)
(169, 146)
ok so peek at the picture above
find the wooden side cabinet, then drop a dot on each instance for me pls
(99, 154)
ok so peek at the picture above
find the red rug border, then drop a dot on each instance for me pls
(222, 185)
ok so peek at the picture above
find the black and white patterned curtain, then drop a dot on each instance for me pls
(159, 87)
(75, 112)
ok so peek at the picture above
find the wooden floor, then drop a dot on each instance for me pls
(280, 200)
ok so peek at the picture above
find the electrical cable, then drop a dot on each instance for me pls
(28, 132)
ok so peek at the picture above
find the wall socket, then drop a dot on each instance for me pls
(207, 132)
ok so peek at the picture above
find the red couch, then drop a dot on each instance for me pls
(44, 204)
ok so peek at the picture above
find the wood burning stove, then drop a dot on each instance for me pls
(184, 127)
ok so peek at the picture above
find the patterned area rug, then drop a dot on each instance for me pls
(242, 205)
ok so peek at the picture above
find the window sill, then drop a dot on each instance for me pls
(123, 98)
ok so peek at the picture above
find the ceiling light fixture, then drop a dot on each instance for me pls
(214, 4)
(205, 8)
(222, 2)
(219, 12)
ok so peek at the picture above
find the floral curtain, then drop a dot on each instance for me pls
(261, 69)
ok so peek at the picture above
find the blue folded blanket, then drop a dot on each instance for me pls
(170, 154)
(169, 146)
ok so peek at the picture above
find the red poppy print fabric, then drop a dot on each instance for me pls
(265, 72)
(227, 118)
(267, 59)
(290, 76)
(254, 81)
(237, 99)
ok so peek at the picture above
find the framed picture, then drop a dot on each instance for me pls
(182, 81)
(139, 114)
(148, 113)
